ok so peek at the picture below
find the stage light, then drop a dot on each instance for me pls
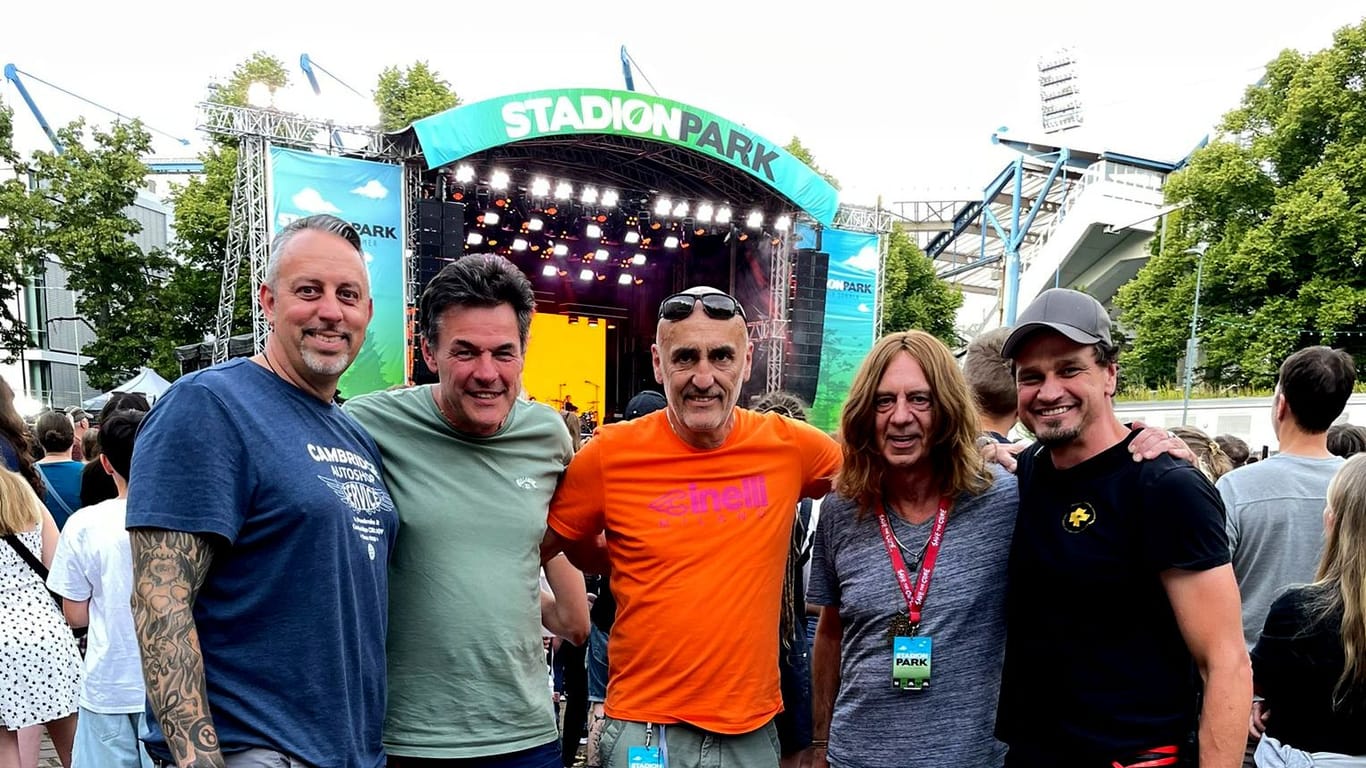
(783, 222)
(586, 275)
(705, 212)
(474, 238)
(611, 326)
(560, 249)
(573, 319)
(549, 270)
(464, 174)
(638, 259)
(680, 210)
(723, 215)
(592, 231)
(563, 191)
(671, 241)
(500, 180)
(755, 220)
(589, 195)
(534, 224)
(601, 254)
(518, 244)
(631, 238)
(663, 206)
(592, 322)
(609, 198)
(491, 218)
(540, 187)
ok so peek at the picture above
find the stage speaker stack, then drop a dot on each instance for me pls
(806, 316)
(440, 241)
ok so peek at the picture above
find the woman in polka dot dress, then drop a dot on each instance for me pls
(40, 666)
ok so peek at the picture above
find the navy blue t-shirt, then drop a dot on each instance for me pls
(293, 614)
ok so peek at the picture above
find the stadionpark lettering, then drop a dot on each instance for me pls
(847, 285)
(591, 112)
(376, 230)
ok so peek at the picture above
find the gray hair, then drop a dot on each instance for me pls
(322, 222)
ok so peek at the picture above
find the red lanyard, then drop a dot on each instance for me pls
(915, 595)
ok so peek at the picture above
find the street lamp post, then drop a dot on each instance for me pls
(1199, 251)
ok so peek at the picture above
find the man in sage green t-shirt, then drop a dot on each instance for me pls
(471, 470)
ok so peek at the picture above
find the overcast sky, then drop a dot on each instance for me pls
(895, 99)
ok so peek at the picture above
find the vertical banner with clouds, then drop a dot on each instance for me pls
(369, 196)
(851, 289)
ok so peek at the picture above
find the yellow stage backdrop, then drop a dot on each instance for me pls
(566, 358)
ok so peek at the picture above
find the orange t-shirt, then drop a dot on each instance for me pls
(698, 542)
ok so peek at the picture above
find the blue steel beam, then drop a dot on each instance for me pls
(1019, 229)
(12, 75)
(968, 214)
(626, 70)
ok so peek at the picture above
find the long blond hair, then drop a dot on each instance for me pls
(954, 455)
(20, 509)
(1341, 581)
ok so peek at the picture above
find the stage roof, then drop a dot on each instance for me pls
(634, 140)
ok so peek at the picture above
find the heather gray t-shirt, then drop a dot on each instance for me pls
(1275, 528)
(950, 724)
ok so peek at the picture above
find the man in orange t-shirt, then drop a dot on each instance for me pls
(697, 502)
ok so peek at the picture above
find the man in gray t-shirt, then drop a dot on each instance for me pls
(1275, 507)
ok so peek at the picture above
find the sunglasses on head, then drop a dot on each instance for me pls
(718, 306)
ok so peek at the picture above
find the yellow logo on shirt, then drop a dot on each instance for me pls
(1078, 517)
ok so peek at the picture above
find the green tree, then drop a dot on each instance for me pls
(260, 67)
(799, 150)
(403, 96)
(1280, 200)
(73, 211)
(913, 296)
(19, 235)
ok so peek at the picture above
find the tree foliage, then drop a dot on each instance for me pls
(72, 209)
(799, 150)
(913, 296)
(18, 236)
(1280, 199)
(405, 95)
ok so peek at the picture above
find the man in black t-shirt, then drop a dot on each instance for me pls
(1122, 604)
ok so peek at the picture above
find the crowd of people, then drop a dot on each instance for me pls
(276, 578)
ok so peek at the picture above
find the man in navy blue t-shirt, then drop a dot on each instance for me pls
(261, 530)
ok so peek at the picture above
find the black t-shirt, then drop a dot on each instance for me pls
(1296, 663)
(1096, 668)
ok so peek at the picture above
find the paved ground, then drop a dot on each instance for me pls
(48, 757)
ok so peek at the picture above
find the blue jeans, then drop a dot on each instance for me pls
(108, 741)
(597, 665)
(544, 756)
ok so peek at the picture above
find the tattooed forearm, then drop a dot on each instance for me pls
(168, 570)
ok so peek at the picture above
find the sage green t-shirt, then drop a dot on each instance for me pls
(467, 674)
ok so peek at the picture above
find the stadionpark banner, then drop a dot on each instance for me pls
(850, 289)
(471, 128)
(368, 195)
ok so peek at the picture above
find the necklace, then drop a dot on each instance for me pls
(913, 560)
(266, 354)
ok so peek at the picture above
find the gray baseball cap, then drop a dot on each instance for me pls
(1071, 313)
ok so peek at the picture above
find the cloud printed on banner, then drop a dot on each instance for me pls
(372, 189)
(309, 200)
(864, 309)
(865, 260)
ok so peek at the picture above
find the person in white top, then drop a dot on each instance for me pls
(93, 572)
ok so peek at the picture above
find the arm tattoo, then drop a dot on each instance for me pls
(168, 569)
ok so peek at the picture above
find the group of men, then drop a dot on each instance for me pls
(336, 586)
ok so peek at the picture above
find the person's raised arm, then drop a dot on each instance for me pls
(168, 570)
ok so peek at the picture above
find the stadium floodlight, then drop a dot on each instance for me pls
(1060, 105)
(464, 174)
(723, 215)
(563, 191)
(609, 198)
(500, 180)
(638, 259)
(663, 206)
(755, 220)
(550, 270)
(624, 278)
(540, 187)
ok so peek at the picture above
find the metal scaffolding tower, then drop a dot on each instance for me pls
(249, 227)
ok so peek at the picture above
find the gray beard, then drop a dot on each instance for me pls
(325, 366)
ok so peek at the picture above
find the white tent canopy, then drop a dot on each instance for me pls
(147, 382)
